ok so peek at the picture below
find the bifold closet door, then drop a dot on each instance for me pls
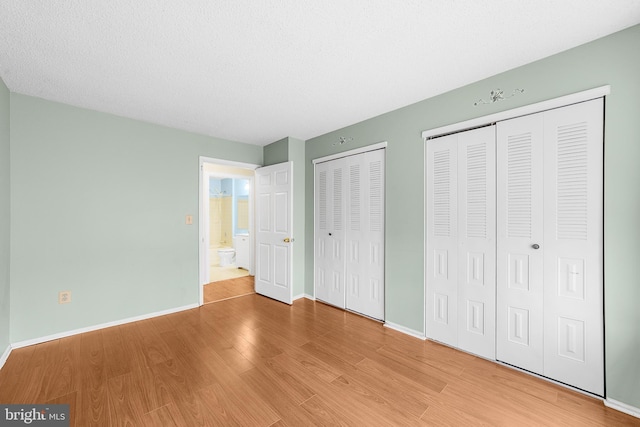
(330, 179)
(477, 241)
(364, 273)
(520, 171)
(442, 239)
(550, 244)
(573, 246)
(460, 233)
(349, 233)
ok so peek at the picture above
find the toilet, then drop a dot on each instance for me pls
(227, 256)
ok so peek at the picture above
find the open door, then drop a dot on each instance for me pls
(274, 223)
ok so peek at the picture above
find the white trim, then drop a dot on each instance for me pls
(562, 101)
(242, 165)
(405, 330)
(424, 241)
(59, 335)
(304, 295)
(622, 407)
(5, 356)
(372, 147)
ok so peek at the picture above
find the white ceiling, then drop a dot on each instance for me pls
(257, 71)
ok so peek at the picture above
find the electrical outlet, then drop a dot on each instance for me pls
(64, 297)
(188, 220)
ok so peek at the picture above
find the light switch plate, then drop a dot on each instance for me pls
(188, 220)
(64, 297)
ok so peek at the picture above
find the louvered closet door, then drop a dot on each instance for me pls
(442, 239)
(550, 244)
(519, 275)
(329, 203)
(365, 234)
(477, 241)
(573, 246)
(461, 240)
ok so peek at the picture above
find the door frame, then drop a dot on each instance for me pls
(353, 152)
(203, 217)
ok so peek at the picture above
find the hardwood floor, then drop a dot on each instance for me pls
(231, 288)
(252, 361)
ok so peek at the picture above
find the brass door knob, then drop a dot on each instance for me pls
(287, 240)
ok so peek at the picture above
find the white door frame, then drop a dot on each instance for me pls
(203, 221)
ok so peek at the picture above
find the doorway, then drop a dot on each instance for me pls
(226, 225)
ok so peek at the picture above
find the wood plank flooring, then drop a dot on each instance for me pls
(230, 288)
(252, 361)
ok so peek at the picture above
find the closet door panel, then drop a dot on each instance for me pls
(365, 234)
(520, 170)
(476, 241)
(573, 246)
(442, 239)
(329, 232)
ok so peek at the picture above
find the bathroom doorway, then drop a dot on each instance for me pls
(226, 227)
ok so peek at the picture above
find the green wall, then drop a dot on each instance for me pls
(98, 207)
(613, 60)
(296, 155)
(4, 218)
(276, 152)
(292, 149)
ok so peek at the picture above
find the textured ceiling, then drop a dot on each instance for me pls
(257, 71)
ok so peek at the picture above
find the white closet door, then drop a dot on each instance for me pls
(477, 241)
(520, 170)
(365, 234)
(329, 232)
(573, 246)
(442, 239)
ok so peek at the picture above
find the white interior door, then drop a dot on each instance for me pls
(477, 241)
(364, 224)
(274, 240)
(520, 171)
(442, 239)
(573, 246)
(329, 239)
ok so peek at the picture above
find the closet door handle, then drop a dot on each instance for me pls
(535, 246)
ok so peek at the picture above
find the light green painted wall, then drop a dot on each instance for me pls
(4, 218)
(613, 60)
(292, 149)
(98, 207)
(296, 154)
(276, 152)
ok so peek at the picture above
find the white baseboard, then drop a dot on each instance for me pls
(303, 295)
(101, 326)
(622, 407)
(5, 356)
(405, 330)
